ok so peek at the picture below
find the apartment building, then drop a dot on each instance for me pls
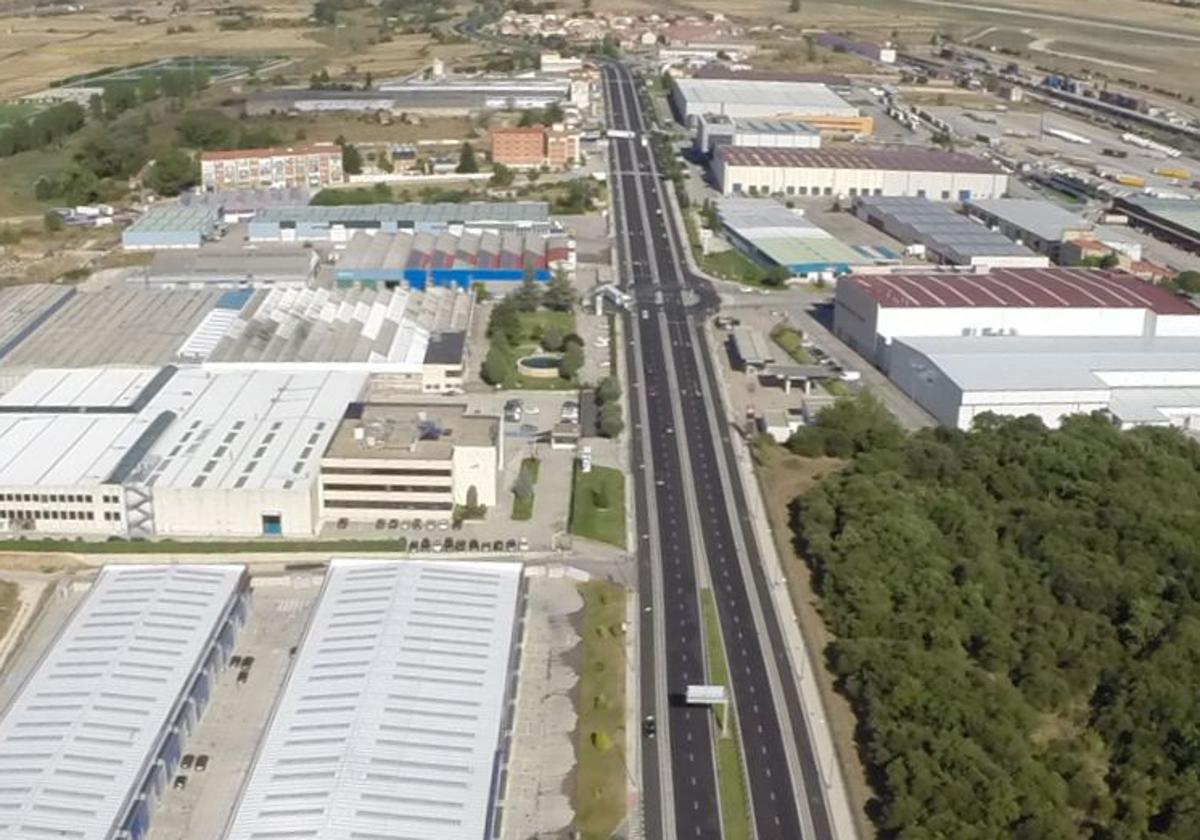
(534, 146)
(314, 166)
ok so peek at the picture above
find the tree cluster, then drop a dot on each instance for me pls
(45, 129)
(1017, 621)
(608, 397)
(210, 129)
(106, 158)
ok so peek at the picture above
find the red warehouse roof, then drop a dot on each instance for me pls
(904, 160)
(1021, 287)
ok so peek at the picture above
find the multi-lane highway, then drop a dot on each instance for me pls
(694, 532)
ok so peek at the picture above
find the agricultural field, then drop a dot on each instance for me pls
(218, 68)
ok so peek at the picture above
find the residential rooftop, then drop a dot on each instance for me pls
(392, 720)
(1079, 288)
(895, 160)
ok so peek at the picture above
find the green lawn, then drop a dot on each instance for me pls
(735, 815)
(599, 799)
(588, 519)
(533, 327)
(733, 265)
(522, 507)
(792, 342)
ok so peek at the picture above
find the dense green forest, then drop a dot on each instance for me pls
(1017, 614)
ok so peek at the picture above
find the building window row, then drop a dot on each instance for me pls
(55, 498)
(73, 515)
(389, 488)
(368, 505)
(399, 471)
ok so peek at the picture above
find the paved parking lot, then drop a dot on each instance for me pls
(238, 713)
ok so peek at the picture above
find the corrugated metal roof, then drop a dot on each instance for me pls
(175, 218)
(77, 740)
(266, 427)
(392, 714)
(788, 97)
(478, 212)
(952, 235)
(893, 160)
(1053, 288)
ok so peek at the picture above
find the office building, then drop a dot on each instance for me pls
(534, 146)
(410, 460)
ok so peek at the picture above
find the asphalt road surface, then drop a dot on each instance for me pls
(695, 531)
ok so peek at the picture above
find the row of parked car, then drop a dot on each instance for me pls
(450, 544)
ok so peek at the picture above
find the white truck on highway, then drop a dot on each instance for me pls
(620, 134)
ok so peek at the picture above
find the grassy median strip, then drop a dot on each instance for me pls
(600, 752)
(598, 505)
(522, 507)
(735, 814)
(8, 605)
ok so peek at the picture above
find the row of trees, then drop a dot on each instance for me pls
(1016, 614)
(208, 129)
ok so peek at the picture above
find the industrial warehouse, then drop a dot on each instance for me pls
(90, 742)
(399, 729)
(1052, 230)
(738, 98)
(772, 235)
(1135, 380)
(941, 235)
(167, 452)
(338, 224)
(713, 130)
(921, 173)
(1173, 220)
(871, 311)
(427, 260)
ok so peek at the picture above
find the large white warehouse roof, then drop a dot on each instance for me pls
(182, 427)
(76, 742)
(389, 723)
(713, 95)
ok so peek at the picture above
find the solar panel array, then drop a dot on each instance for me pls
(79, 739)
(390, 721)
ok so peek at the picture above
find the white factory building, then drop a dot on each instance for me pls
(1135, 380)
(92, 738)
(747, 99)
(713, 130)
(871, 311)
(168, 452)
(850, 173)
(394, 719)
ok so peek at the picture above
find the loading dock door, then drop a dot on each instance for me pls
(272, 525)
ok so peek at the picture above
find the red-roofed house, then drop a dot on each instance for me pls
(871, 310)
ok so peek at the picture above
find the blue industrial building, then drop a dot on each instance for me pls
(422, 260)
